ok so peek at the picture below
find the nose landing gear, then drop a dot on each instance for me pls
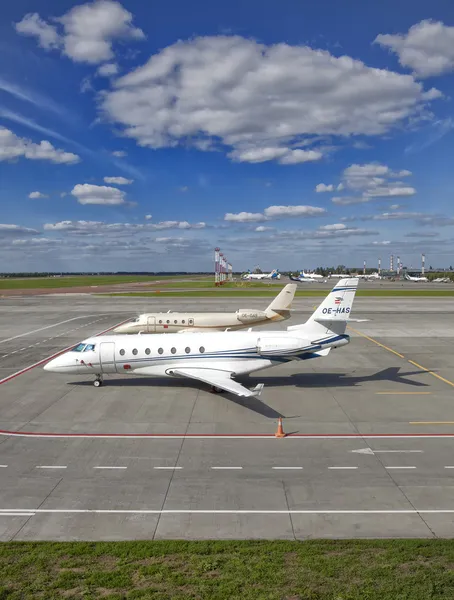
(98, 381)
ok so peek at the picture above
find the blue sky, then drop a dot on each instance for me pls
(139, 135)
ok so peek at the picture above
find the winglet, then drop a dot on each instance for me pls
(257, 390)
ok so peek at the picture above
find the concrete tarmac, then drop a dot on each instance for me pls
(371, 452)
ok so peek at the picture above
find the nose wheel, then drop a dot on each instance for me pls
(216, 390)
(98, 381)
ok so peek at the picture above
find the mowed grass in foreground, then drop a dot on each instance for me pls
(269, 293)
(80, 280)
(311, 570)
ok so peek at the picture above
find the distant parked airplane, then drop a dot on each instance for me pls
(273, 275)
(410, 278)
(174, 322)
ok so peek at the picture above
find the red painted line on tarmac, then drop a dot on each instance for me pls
(41, 362)
(227, 435)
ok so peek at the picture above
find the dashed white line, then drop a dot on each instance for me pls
(401, 467)
(51, 467)
(170, 468)
(449, 467)
(226, 468)
(41, 329)
(109, 467)
(341, 468)
(3, 466)
(286, 468)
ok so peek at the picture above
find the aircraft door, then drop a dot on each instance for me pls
(151, 324)
(107, 357)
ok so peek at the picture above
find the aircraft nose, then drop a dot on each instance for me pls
(55, 365)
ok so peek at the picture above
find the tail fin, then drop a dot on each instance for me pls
(283, 301)
(333, 313)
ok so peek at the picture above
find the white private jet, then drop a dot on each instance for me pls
(173, 322)
(302, 278)
(410, 278)
(313, 275)
(214, 358)
(259, 276)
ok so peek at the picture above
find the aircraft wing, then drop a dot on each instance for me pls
(218, 378)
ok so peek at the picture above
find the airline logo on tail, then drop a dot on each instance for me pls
(338, 300)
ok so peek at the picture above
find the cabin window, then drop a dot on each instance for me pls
(78, 348)
(147, 350)
(167, 321)
(183, 321)
(122, 352)
(134, 351)
(187, 349)
(201, 349)
(160, 351)
(173, 350)
(175, 321)
(160, 321)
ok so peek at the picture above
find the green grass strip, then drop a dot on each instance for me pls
(223, 293)
(229, 570)
(82, 281)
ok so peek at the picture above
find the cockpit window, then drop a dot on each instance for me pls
(89, 347)
(78, 348)
(135, 320)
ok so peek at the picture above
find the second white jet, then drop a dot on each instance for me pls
(176, 322)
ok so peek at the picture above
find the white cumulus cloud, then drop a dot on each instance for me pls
(261, 102)
(107, 70)
(119, 153)
(333, 227)
(13, 147)
(427, 48)
(372, 180)
(7, 229)
(321, 187)
(33, 25)
(36, 195)
(382, 243)
(148, 217)
(87, 193)
(244, 217)
(262, 228)
(279, 212)
(89, 30)
(118, 180)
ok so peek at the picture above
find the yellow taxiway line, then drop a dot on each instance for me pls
(402, 356)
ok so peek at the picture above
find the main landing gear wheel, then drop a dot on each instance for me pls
(98, 381)
(216, 390)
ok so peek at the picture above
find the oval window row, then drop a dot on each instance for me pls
(161, 351)
(175, 322)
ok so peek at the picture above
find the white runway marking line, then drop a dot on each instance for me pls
(170, 468)
(341, 468)
(226, 468)
(100, 511)
(44, 360)
(17, 514)
(51, 467)
(3, 466)
(41, 329)
(287, 468)
(109, 467)
(449, 467)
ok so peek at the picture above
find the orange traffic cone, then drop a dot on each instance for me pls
(280, 432)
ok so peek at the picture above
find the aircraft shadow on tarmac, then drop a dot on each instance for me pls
(319, 380)
(300, 380)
